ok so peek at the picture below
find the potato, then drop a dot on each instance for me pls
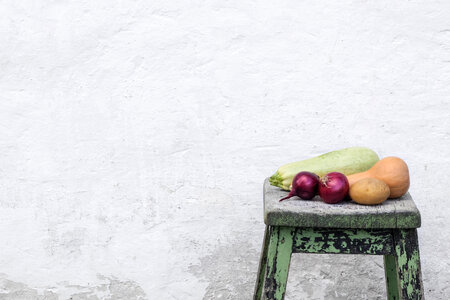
(369, 191)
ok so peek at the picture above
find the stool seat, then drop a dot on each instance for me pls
(393, 213)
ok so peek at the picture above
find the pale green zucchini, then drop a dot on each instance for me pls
(347, 161)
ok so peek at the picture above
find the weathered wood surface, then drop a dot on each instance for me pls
(399, 247)
(391, 276)
(282, 241)
(262, 264)
(343, 241)
(408, 264)
(393, 213)
(278, 259)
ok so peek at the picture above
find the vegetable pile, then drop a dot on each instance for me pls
(355, 173)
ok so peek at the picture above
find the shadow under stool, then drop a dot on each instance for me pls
(312, 226)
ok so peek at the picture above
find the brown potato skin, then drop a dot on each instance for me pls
(392, 170)
(369, 191)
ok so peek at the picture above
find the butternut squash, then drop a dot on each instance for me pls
(392, 170)
(369, 191)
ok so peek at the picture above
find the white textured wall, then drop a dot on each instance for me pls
(135, 137)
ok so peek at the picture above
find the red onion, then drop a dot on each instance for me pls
(333, 187)
(304, 185)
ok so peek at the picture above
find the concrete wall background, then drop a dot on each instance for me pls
(135, 137)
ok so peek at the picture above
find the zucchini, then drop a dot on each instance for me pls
(347, 161)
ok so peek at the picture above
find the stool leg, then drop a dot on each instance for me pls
(278, 260)
(390, 270)
(262, 266)
(408, 264)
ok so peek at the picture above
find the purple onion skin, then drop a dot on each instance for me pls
(333, 187)
(304, 185)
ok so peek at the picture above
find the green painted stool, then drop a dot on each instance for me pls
(298, 226)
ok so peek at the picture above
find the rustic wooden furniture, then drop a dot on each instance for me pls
(295, 225)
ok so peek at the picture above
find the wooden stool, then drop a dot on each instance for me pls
(302, 226)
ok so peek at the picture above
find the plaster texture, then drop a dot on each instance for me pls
(135, 137)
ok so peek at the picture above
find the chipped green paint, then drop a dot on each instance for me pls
(399, 247)
(407, 219)
(408, 264)
(278, 260)
(392, 284)
(262, 265)
(344, 241)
